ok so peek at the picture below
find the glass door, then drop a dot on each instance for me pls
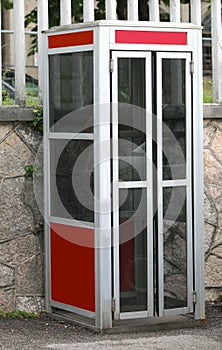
(174, 185)
(152, 184)
(132, 185)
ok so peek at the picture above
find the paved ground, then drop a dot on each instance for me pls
(44, 333)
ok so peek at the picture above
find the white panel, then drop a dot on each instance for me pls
(88, 10)
(132, 7)
(43, 24)
(19, 47)
(175, 11)
(65, 12)
(111, 9)
(196, 12)
(154, 10)
(216, 49)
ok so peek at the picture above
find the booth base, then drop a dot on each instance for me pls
(150, 324)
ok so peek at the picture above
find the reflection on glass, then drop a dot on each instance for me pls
(174, 119)
(175, 247)
(72, 179)
(71, 89)
(133, 250)
(132, 122)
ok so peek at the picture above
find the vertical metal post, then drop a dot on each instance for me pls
(111, 9)
(196, 12)
(132, 9)
(198, 220)
(19, 49)
(154, 10)
(216, 49)
(88, 10)
(102, 180)
(43, 24)
(175, 11)
(65, 12)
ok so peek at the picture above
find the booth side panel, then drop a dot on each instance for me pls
(72, 266)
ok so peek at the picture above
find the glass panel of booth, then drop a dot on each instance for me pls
(175, 247)
(71, 92)
(132, 118)
(174, 118)
(71, 136)
(72, 179)
(133, 249)
(175, 183)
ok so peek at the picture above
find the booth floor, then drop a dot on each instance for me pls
(46, 333)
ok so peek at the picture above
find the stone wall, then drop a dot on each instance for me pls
(21, 224)
(213, 207)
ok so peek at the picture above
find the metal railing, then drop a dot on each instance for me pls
(20, 50)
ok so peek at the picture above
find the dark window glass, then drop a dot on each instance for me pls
(132, 123)
(174, 119)
(133, 250)
(175, 247)
(72, 179)
(71, 90)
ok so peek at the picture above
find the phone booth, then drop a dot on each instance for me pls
(124, 173)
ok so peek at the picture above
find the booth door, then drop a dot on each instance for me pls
(152, 226)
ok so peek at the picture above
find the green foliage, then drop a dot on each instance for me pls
(17, 314)
(208, 91)
(38, 121)
(6, 100)
(29, 170)
(7, 4)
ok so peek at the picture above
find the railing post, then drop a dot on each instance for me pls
(19, 48)
(196, 12)
(88, 10)
(216, 49)
(111, 9)
(65, 12)
(43, 24)
(132, 9)
(175, 11)
(154, 10)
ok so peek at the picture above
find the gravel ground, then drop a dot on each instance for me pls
(45, 333)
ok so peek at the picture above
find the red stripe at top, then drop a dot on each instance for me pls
(146, 37)
(70, 39)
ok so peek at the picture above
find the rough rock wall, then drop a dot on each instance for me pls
(21, 224)
(213, 207)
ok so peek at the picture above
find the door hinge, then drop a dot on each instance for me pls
(192, 67)
(113, 305)
(111, 66)
(194, 297)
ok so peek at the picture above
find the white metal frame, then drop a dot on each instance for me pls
(102, 185)
(175, 183)
(147, 184)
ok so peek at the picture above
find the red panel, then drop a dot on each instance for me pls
(145, 37)
(73, 266)
(70, 39)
